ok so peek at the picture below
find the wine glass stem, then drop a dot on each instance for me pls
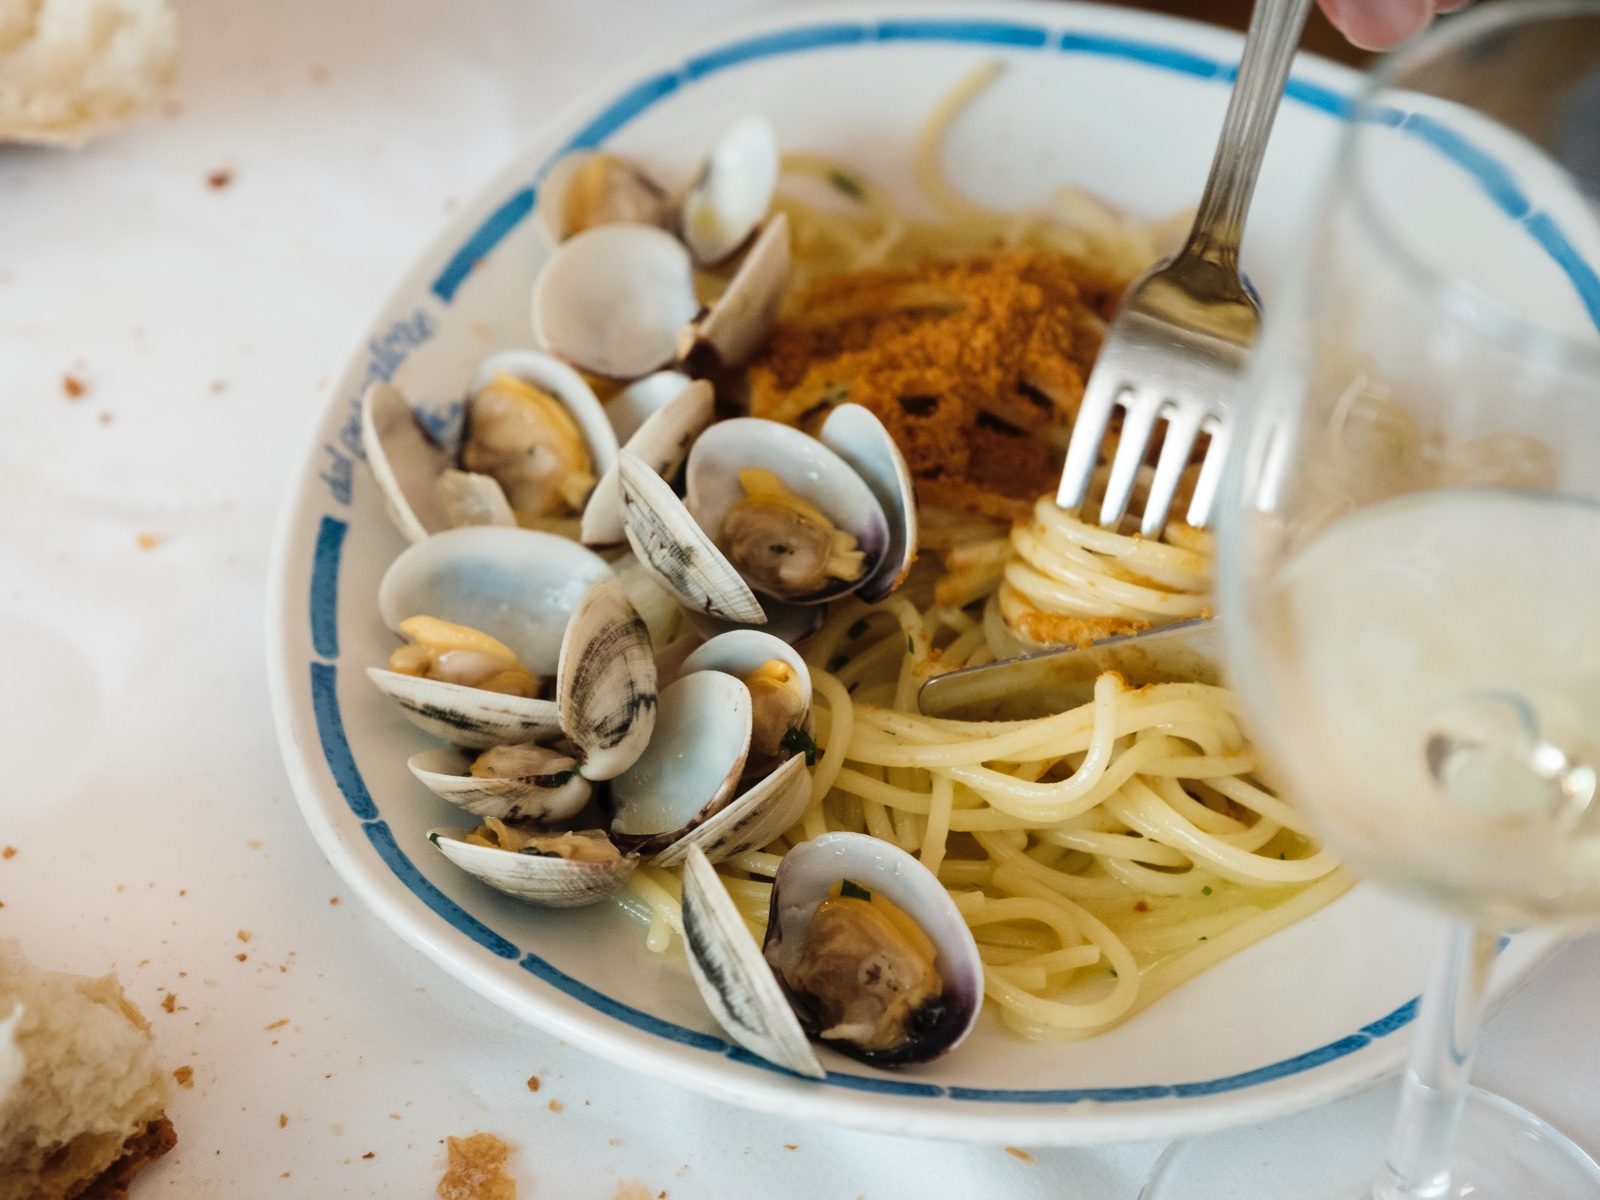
(1435, 1087)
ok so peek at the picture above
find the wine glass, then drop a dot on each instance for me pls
(1410, 566)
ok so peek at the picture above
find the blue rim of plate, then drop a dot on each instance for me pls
(392, 349)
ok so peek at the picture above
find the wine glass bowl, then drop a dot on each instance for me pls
(1414, 534)
(1409, 558)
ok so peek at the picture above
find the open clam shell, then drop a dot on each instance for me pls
(606, 682)
(734, 328)
(662, 442)
(805, 466)
(613, 298)
(467, 716)
(668, 541)
(556, 378)
(732, 190)
(587, 188)
(733, 977)
(691, 767)
(517, 585)
(739, 653)
(424, 495)
(628, 409)
(802, 883)
(538, 879)
(753, 819)
(857, 436)
(445, 774)
(405, 461)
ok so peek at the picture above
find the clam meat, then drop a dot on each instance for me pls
(461, 655)
(526, 440)
(784, 545)
(606, 189)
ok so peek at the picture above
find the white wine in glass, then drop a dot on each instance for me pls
(1410, 566)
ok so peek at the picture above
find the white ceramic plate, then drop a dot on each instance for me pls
(1124, 103)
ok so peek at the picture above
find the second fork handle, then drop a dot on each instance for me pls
(1269, 48)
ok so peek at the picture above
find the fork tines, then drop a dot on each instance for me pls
(1155, 371)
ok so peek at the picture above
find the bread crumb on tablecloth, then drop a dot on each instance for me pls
(1017, 1152)
(476, 1170)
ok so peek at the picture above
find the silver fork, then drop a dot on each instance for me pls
(1183, 332)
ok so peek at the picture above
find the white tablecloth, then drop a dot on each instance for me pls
(153, 827)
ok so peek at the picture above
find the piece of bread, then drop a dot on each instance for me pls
(70, 69)
(82, 1094)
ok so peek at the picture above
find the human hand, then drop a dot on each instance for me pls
(1379, 24)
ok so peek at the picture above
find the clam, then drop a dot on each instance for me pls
(591, 187)
(557, 610)
(555, 870)
(520, 782)
(619, 300)
(771, 510)
(726, 767)
(629, 408)
(533, 443)
(662, 442)
(865, 950)
(732, 190)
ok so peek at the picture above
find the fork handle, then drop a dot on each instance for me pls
(1269, 47)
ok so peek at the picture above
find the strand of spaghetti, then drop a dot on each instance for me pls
(880, 792)
(1205, 819)
(1163, 562)
(1059, 883)
(875, 199)
(1068, 958)
(841, 619)
(1066, 733)
(1213, 769)
(876, 657)
(1049, 803)
(938, 831)
(1258, 801)
(666, 917)
(929, 150)
(841, 722)
(1143, 810)
(1118, 845)
(1052, 911)
(1139, 878)
(1189, 934)
(1059, 1014)
(1054, 582)
(755, 862)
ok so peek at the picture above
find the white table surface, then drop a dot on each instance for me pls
(144, 795)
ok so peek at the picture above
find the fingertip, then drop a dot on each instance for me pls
(1378, 24)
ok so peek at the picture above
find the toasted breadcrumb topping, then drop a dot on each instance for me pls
(975, 366)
